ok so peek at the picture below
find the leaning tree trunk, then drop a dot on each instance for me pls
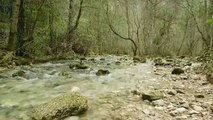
(13, 25)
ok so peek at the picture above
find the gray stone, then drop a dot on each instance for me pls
(197, 108)
(152, 96)
(159, 102)
(178, 111)
(172, 92)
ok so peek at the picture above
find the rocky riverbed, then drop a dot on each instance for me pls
(116, 87)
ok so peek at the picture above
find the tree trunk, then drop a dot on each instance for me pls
(51, 27)
(71, 15)
(13, 25)
(21, 31)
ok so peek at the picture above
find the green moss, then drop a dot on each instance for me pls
(60, 107)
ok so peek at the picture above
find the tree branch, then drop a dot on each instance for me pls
(78, 17)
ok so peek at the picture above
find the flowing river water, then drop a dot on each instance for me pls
(42, 82)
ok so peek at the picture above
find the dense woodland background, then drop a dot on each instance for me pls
(38, 28)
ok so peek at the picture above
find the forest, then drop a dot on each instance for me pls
(106, 59)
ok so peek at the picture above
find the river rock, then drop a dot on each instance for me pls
(102, 72)
(178, 111)
(211, 108)
(75, 89)
(78, 66)
(117, 63)
(102, 59)
(177, 71)
(152, 96)
(73, 118)
(197, 108)
(61, 107)
(159, 102)
(199, 96)
(139, 60)
(19, 73)
(209, 78)
(158, 62)
(172, 92)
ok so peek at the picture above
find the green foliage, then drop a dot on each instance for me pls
(210, 21)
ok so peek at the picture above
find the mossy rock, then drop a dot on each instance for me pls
(19, 73)
(102, 72)
(152, 96)
(78, 66)
(61, 107)
(177, 71)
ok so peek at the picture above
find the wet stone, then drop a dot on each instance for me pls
(177, 71)
(199, 96)
(78, 66)
(102, 72)
(19, 73)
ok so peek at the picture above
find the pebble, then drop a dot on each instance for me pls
(75, 89)
(159, 103)
(191, 112)
(172, 92)
(147, 112)
(181, 118)
(197, 108)
(185, 105)
(73, 118)
(178, 110)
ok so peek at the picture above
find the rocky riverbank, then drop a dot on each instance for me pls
(116, 88)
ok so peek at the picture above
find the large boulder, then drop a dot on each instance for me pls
(61, 107)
